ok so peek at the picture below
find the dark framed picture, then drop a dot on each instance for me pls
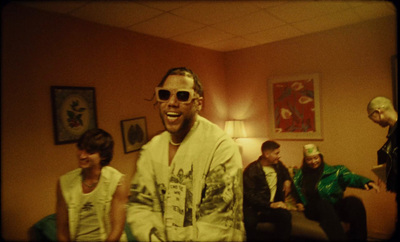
(134, 133)
(74, 112)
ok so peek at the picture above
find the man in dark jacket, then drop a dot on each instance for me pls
(266, 183)
(381, 111)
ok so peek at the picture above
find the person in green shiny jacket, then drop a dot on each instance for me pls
(321, 189)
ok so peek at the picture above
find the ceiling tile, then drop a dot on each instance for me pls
(166, 26)
(203, 36)
(208, 12)
(303, 10)
(213, 24)
(275, 34)
(250, 23)
(327, 22)
(268, 4)
(355, 3)
(231, 44)
(371, 10)
(119, 13)
(164, 5)
(57, 6)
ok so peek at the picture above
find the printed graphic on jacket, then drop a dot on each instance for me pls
(176, 198)
(179, 198)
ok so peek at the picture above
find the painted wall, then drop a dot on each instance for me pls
(43, 49)
(40, 50)
(354, 64)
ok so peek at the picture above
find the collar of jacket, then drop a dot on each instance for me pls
(328, 169)
(392, 130)
(260, 165)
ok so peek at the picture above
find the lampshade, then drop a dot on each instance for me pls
(235, 128)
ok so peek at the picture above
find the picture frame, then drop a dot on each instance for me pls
(294, 107)
(134, 133)
(74, 112)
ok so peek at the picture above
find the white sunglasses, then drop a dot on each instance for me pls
(183, 95)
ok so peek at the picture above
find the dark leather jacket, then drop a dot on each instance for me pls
(388, 154)
(255, 187)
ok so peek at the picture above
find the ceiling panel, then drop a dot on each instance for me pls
(221, 25)
(235, 43)
(275, 34)
(251, 23)
(63, 7)
(374, 10)
(164, 5)
(166, 25)
(209, 36)
(325, 22)
(209, 12)
(119, 14)
(304, 10)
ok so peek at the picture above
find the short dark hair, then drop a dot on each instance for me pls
(269, 145)
(97, 140)
(183, 71)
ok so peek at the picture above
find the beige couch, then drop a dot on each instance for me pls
(303, 229)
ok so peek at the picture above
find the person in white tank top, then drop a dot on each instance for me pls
(91, 200)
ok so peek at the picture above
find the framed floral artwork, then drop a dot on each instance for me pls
(74, 112)
(134, 133)
(294, 108)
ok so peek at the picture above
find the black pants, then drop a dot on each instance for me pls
(281, 218)
(350, 210)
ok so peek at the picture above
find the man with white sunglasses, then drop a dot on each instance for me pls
(188, 184)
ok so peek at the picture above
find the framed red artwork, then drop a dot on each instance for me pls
(294, 108)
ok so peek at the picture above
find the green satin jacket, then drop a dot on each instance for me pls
(333, 182)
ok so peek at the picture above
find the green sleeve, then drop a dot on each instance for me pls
(350, 179)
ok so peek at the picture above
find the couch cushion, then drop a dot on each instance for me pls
(302, 227)
(306, 228)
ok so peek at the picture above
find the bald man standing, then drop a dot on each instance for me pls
(381, 111)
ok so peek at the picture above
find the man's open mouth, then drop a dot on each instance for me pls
(172, 116)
